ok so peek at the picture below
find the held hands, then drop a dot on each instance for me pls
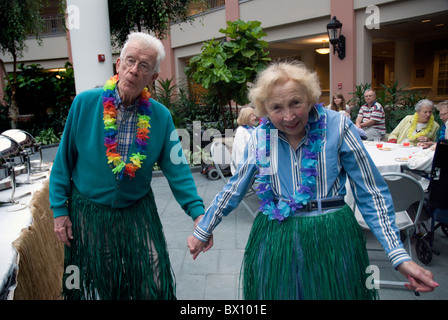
(63, 229)
(420, 279)
(197, 246)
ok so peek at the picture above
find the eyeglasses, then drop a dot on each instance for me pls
(142, 67)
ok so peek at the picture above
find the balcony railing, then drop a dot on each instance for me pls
(53, 26)
(205, 6)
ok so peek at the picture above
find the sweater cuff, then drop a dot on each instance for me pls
(201, 234)
(398, 256)
(60, 211)
(196, 212)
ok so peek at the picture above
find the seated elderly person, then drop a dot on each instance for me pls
(443, 113)
(419, 127)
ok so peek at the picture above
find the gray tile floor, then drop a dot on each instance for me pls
(214, 275)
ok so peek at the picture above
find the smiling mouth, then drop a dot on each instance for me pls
(293, 126)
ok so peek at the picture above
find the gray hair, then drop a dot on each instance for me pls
(424, 102)
(147, 41)
(442, 105)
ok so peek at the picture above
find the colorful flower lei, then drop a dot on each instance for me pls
(110, 131)
(306, 187)
(424, 132)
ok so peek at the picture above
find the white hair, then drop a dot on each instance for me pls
(147, 41)
(424, 102)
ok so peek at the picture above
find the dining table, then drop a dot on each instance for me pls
(387, 157)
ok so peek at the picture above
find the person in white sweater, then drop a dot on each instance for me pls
(246, 124)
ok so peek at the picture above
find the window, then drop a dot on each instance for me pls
(441, 74)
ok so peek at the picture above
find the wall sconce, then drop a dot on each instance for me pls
(334, 28)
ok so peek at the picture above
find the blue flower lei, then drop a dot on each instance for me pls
(306, 187)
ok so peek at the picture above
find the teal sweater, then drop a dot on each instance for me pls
(81, 159)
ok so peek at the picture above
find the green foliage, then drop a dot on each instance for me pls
(225, 67)
(126, 16)
(47, 136)
(47, 95)
(19, 19)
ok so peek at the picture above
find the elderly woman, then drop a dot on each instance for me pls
(419, 127)
(246, 124)
(306, 243)
(442, 107)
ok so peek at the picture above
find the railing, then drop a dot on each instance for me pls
(205, 6)
(53, 26)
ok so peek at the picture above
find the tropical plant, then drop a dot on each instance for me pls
(224, 68)
(18, 20)
(47, 136)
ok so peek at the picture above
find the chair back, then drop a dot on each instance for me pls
(405, 191)
(438, 185)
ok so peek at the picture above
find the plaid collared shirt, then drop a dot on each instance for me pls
(127, 119)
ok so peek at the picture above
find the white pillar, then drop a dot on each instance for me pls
(88, 24)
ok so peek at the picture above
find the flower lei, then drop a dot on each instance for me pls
(110, 131)
(306, 189)
(424, 132)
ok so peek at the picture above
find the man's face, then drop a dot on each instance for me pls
(369, 96)
(135, 71)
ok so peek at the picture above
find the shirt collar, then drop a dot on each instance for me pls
(119, 103)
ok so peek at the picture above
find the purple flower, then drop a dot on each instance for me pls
(263, 121)
(108, 140)
(309, 171)
(310, 155)
(276, 215)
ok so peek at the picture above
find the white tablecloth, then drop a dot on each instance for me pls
(388, 159)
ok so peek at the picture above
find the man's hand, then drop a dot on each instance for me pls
(63, 229)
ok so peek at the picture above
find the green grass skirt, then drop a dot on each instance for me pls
(314, 257)
(120, 253)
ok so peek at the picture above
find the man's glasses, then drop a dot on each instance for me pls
(142, 67)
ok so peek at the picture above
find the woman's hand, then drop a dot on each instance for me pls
(197, 246)
(63, 229)
(420, 279)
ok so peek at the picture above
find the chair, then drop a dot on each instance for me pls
(222, 159)
(436, 203)
(406, 191)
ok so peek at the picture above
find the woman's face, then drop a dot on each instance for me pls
(288, 109)
(424, 114)
(252, 120)
(337, 101)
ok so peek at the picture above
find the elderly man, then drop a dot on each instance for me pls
(371, 117)
(100, 184)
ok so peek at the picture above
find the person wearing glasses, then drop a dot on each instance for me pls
(100, 184)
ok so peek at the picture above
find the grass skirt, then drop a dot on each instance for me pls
(307, 257)
(120, 253)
